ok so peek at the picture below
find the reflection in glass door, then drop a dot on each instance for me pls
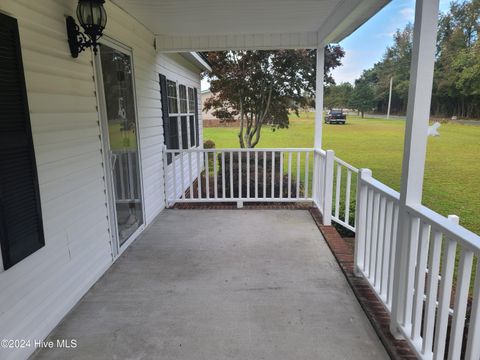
(121, 141)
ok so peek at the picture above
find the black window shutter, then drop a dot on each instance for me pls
(165, 118)
(197, 117)
(21, 229)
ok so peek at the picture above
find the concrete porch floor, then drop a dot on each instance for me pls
(213, 284)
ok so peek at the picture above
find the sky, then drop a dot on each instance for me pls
(367, 44)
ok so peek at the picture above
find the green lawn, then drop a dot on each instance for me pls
(119, 139)
(452, 175)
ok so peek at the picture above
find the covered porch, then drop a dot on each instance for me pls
(211, 284)
(230, 284)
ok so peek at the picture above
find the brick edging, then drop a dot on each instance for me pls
(246, 206)
(373, 308)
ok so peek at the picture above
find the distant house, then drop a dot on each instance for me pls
(210, 120)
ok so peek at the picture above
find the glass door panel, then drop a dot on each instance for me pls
(121, 129)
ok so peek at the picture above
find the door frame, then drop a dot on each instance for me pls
(117, 249)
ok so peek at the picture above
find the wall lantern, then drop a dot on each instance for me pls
(93, 18)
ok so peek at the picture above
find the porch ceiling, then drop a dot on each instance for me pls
(193, 25)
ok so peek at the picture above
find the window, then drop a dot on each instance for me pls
(172, 97)
(183, 99)
(174, 143)
(184, 132)
(191, 101)
(181, 109)
(21, 229)
(192, 130)
(193, 119)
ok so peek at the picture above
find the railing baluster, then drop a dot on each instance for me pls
(386, 248)
(207, 176)
(444, 298)
(337, 191)
(420, 271)
(223, 175)
(190, 173)
(256, 174)
(166, 176)
(473, 343)
(411, 259)
(122, 181)
(182, 174)
(289, 192)
(199, 171)
(232, 193)
(215, 177)
(298, 175)
(361, 218)
(460, 307)
(131, 181)
(374, 240)
(273, 175)
(307, 170)
(380, 244)
(248, 174)
(368, 231)
(347, 196)
(239, 174)
(174, 169)
(392, 256)
(264, 174)
(432, 290)
(280, 175)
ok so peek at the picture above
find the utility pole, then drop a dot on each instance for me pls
(390, 98)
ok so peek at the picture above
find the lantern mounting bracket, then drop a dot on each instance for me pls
(77, 40)
(93, 18)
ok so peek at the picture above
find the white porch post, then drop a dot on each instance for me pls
(414, 153)
(320, 73)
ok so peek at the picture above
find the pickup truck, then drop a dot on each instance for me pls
(335, 117)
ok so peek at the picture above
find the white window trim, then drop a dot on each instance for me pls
(179, 114)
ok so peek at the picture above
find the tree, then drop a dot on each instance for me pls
(262, 87)
(362, 98)
(337, 96)
(456, 84)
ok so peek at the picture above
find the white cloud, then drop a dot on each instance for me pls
(388, 34)
(408, 13)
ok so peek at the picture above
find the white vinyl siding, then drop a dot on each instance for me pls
(40, 290)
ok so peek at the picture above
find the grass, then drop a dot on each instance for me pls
(119, 139)
(452, 171)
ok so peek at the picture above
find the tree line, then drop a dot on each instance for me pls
(456, 86)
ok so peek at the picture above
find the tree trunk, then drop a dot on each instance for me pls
(242, 122)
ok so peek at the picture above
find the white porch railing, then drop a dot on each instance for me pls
(345, 187)
(376, 220)
(238, 175)
(441, 311)
(441, 306)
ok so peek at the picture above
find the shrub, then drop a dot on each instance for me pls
(209, 144)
